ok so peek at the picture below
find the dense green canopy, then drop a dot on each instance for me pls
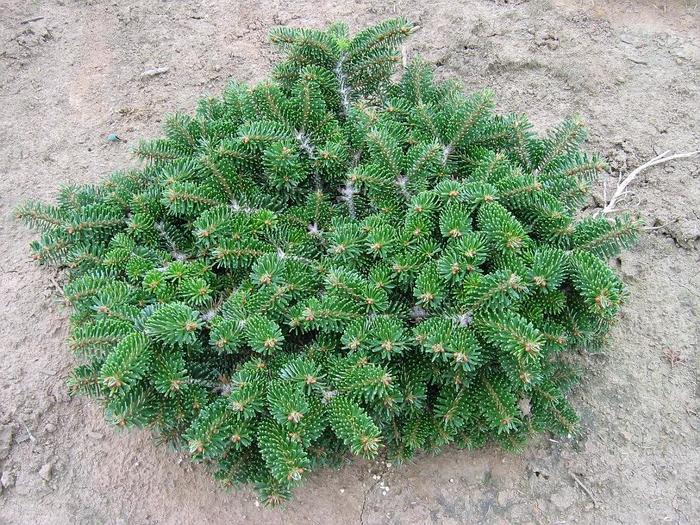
(330, 262)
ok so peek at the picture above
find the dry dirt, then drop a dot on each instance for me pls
(73, 75)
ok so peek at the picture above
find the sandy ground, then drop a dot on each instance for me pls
(631, 69)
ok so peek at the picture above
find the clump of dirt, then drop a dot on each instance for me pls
(76, 73)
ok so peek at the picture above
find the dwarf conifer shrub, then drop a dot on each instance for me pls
(332, 262)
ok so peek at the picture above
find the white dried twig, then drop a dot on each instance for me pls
(584, 488)
(621, 190)
(310, 150)
(347, 194)
(29, 432)
(343, 87)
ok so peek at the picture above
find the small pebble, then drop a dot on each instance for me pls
(342, 491)
(563, 499)
(94, 435)
(452, 480)
(46, 471)
(154, 72)
(503, 498)
(7, 479)
(50, 428)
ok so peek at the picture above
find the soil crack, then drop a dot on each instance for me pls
(377, 480)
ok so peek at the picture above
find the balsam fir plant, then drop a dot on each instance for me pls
(332, 262)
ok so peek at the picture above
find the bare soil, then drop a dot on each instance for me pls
(71, 73)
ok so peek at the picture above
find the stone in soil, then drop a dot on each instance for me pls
(46, 471)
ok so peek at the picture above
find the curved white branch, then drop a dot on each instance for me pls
(622, 186)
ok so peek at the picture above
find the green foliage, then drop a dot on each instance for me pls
(332, 262)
